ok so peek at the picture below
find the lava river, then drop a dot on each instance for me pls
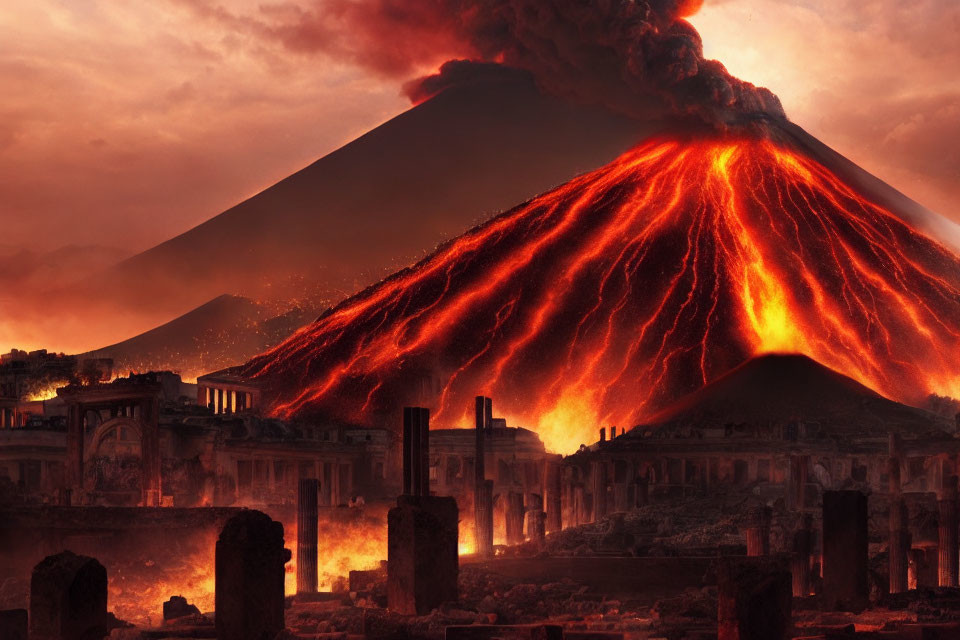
(601, 301)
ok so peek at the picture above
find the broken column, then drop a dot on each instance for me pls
(554, 506)
(758, 531)
(422, 531)
(538, 521)
(598, 476)
(948, 551)
(483, 488)
(514, 518)
(754, 599)
(68, 598)
(898, 547)
(845, 550)
(579, 505)
(799, 465)
(307, 520)
(484, 519)
(641, 496)
(803, 539)
(249, 577)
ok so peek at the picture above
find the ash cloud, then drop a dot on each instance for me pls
(621, 53)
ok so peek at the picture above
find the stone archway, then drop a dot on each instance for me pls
(113, 461)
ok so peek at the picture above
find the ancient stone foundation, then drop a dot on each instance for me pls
(754, 599)
(249, 578)
(422, 560)
(845, 550)
(68, 598)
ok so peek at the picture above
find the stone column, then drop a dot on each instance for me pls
(758, 531)
(579, 505)
(641, 496)
(948, 550)
(538, 521)
(798, 481)
(249, 596)
(307, 521)
(515, 517)
(484, 519)
(68, 598)
(754, 600)
(554, 497)
(598, 478)
(899, 546)
(803, 539)
(482, 511)
(845, 550)
(150, 451)
(74, 467)
(416, 451)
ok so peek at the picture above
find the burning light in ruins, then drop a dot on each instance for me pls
(605, 299)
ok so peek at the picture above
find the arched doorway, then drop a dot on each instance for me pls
(113, 462)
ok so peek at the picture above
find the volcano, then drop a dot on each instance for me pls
(774, 390)
(607, 298)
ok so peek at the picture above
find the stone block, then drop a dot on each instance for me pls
(68, 599)
(422, 553)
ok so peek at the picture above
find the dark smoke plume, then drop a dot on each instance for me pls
(621, 53)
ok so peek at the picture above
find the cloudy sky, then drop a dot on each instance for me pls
(123, 123)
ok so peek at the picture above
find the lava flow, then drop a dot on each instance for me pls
(603, 300)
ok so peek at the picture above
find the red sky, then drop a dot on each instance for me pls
(122, 124)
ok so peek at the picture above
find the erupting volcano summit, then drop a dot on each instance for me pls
(604, 299)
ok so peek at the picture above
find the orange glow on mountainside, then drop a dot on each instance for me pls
(601, 301)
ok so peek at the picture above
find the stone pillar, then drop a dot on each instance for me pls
(150, 451)
(249, 595)
(845, 550)
(620, 497)
(641, 497)
(484, 519)
(803, 543)
(74, 467)
(422, 555)
(416, 451)
(758, 531)
(515, 517)
(554, 504)
(799, 466)
(307, 520)
(422, 530)
(899, 546)
(482, 497)
(948, 545)
(754, 600)
(538, 527)
(202, 395)
(579, 505)
(13, 624)
(598, 478)
(68, 598)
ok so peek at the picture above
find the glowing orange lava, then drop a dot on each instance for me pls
(601, 301)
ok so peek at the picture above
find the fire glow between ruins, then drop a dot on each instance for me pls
(590, 341)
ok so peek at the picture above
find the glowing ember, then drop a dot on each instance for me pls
(601, 301)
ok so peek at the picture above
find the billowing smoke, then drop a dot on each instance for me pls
(622, 53)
